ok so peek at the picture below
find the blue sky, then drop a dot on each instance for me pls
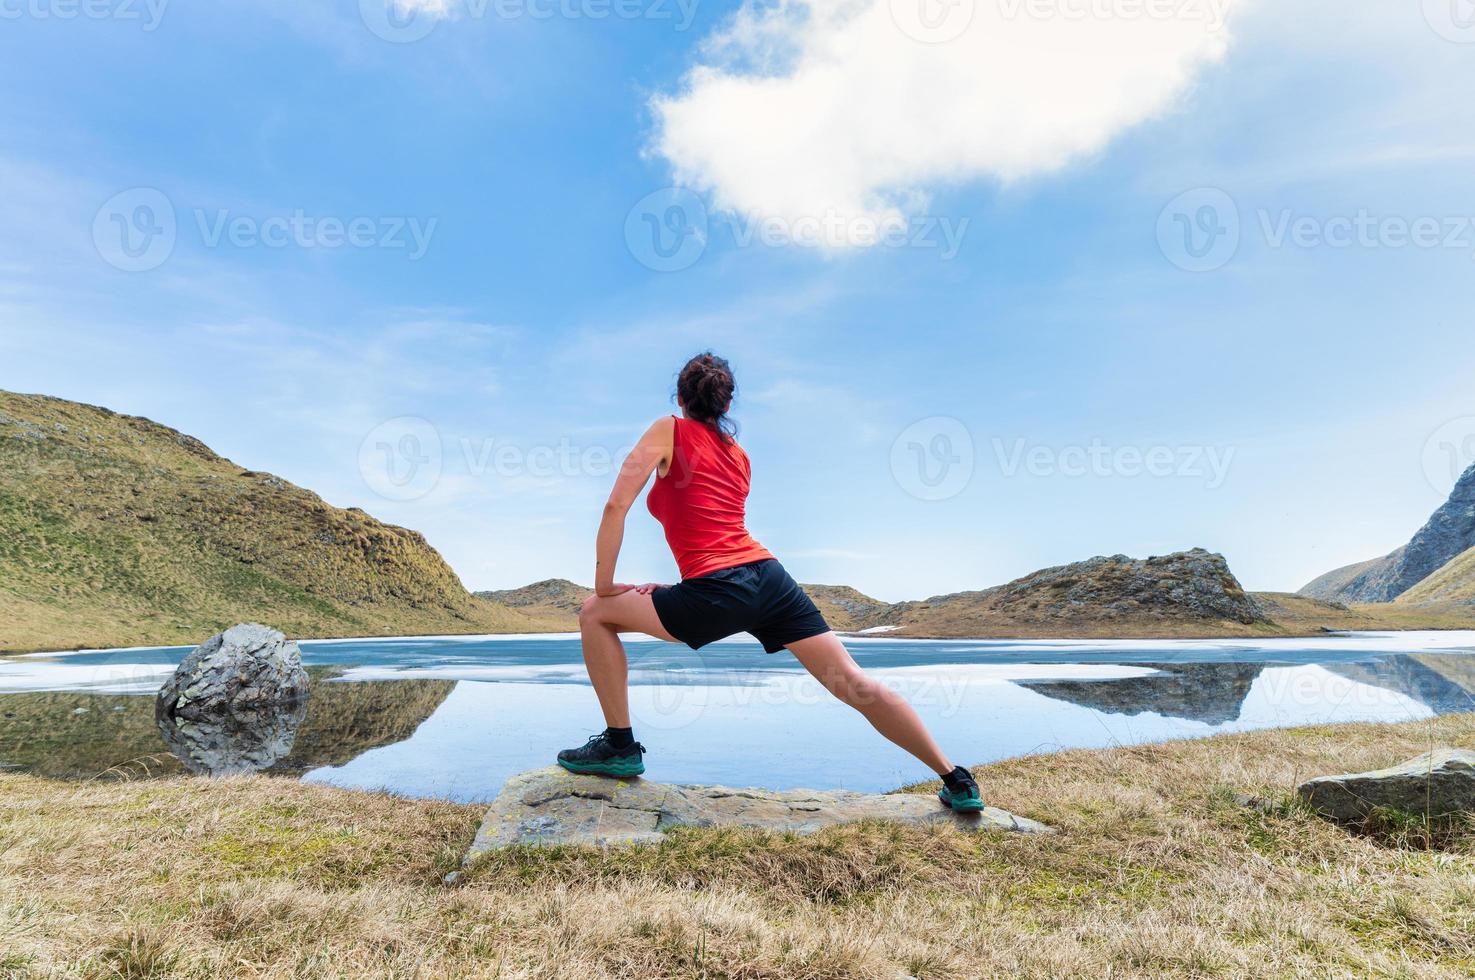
(931, 413)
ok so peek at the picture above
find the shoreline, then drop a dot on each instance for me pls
(860, 636)
(1146, 636)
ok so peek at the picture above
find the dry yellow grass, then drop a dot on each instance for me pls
(1158, 870)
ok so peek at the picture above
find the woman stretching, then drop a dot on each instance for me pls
(729, 584)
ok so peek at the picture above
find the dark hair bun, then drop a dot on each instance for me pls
(705, 387)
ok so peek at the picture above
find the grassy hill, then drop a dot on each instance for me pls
(115, 530)
(556, 600)
(1455, 582)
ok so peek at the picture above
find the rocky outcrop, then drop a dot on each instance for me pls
(1449, 533)
(551, 595)
(552, 806)
(845, 608)
(1186, 591)
(246, 668)
(1436, 784)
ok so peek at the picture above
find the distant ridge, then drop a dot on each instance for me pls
(116, 530)
(1447, 535)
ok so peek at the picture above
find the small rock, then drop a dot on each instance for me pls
(1436, 784)
(552, 806)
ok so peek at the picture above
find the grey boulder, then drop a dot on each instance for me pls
(249, 667)
(1436, 784)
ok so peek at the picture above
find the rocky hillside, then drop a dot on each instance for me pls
(1447, 535)
(1187, 593)
(849, 609)
(116, 530)
(555, 599)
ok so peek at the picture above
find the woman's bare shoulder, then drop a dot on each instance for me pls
(660, 432)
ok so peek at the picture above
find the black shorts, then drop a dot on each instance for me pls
(758, 598)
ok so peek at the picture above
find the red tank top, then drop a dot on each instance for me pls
(701, 499)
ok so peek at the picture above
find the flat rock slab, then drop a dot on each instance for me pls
(553, 806)
(1438, 783)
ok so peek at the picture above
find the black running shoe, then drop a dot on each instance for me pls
(964, 798)
(599, 757)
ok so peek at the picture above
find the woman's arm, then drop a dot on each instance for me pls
(653, 449)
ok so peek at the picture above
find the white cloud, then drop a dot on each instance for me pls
(840, 110)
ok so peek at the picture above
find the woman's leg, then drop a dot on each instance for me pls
(600, 622)
(826, 658)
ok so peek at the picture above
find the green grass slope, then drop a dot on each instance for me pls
(116, 530)
(1454, 582)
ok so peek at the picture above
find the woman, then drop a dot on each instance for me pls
(729, 584)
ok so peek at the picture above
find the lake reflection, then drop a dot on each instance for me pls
(454, 717)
